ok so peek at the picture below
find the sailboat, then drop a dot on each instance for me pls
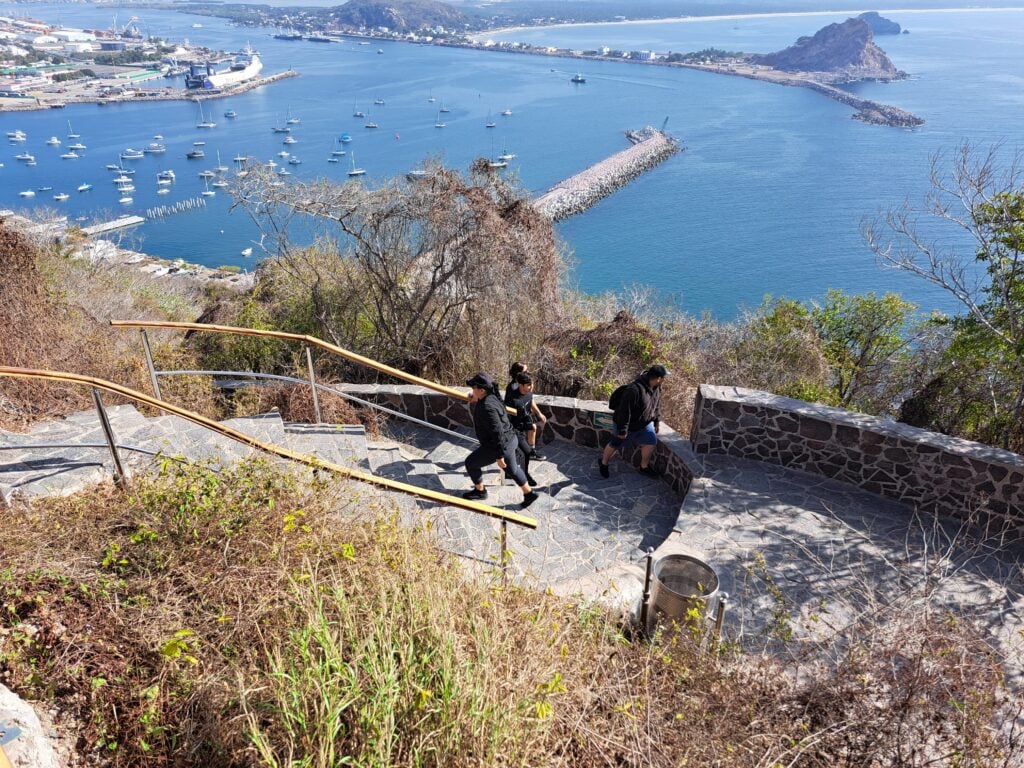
(439, 123)
(292, 120)
(71, 133)
(356, 112)
(207, 192)
(369, 123)
(337, 151)
(203, 121)
(220, 167)
(356, 171)
(444, 108)
(490, 121)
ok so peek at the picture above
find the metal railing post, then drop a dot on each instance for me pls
(120, 477)
(149, 363)
(504, 554)
(720, 618)
(312, 384)
(646, 599)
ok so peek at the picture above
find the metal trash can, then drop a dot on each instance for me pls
(680, 583)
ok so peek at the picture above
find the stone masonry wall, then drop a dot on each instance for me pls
(936, 473)
(579, 421)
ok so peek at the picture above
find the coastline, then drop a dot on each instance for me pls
(43, 101)
(478, 36)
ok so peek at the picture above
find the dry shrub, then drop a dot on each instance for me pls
(295, 403)
(245, 618)
(437, 278)
(54, 313)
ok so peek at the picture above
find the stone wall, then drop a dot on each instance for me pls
(583, 422)
(936, 473)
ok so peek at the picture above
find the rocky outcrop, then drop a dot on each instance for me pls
(843, 51)
(398, 15)
(879, 24)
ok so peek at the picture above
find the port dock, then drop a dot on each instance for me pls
(110, 226)
(578, 193)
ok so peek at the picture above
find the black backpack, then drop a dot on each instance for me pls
(616, 398)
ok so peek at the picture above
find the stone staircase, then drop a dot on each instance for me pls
(591, 530)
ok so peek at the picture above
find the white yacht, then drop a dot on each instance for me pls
(53, 141)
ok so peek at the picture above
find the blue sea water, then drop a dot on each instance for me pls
(768, 197)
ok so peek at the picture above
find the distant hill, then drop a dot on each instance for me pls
(845, 50)
(398, 15)
(879, 24)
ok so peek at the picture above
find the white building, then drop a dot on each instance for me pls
(73, 35)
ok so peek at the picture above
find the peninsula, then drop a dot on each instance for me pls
(836, 54)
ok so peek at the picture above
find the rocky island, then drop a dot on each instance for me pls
(836, 54)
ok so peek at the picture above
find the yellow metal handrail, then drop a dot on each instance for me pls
(284, 453)
(311, 340)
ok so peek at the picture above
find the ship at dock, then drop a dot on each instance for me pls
(243, 68)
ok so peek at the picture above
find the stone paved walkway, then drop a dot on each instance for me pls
(589, 526)
(803, 553)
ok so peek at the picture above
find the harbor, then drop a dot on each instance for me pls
(577, 193)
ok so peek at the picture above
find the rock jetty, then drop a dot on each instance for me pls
(578, 193)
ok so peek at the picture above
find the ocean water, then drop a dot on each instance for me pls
(767, 198)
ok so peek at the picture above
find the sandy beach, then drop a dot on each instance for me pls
(738, 17)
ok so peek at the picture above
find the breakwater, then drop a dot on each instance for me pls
(577, 193)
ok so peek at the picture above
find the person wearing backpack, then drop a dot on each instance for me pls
(637, 418)
(498, 441)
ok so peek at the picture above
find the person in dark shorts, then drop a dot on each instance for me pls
(522, 400)
(637, 419)
(497, 440)
(528, 420)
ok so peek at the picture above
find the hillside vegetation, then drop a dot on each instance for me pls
(251, 617)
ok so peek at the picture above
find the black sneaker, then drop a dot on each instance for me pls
(536, 455)
(602, 468)
(649, 472)
(475, 495)
(531, 481)
(529, 498)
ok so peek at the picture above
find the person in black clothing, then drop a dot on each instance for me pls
(497, 440)
(529, 419)
(522, 400)
(637, 420)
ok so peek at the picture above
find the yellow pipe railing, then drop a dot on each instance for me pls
(284, 453)
(311, 340)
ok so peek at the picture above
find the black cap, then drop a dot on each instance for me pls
(657, 372)
(481, 380)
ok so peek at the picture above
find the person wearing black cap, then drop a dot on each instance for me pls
(497, 440)
(637, 419)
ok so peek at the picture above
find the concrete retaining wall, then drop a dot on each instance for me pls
(583, 422)
(936, 473)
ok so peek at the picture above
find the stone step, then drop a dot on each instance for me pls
(175, 436)
(63, 471)
(343, 444)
